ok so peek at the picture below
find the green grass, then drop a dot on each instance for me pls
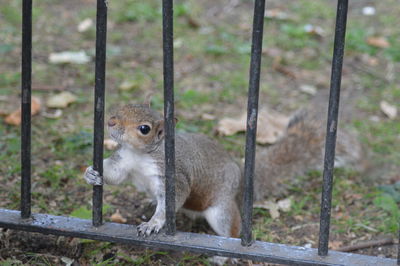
(7, 80)
(133, 11)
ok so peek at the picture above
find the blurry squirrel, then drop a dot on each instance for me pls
(208, 180)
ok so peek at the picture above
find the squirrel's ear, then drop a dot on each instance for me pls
(147, 99)
(160, 128)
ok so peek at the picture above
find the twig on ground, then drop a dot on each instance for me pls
(367, 244)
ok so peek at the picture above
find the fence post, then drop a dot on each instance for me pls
(252, 113)
(26, 74)
(98, 138)
(168, 70)
(332, 124)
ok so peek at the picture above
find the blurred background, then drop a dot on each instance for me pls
(212, 56)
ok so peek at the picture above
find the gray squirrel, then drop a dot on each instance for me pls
(208, 181)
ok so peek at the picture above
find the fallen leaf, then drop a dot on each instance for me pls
(117, 218)
(314, 30)
(335, 244)
(285, 204)
(54, 115)
(127, 85)
(309, 89)
(67, 261)
(388, 109)
(193, 23)
(277, 66)
(85, 25)
(271, 206)
(299, 218)
(110, 144)
(274, 207)
(271, 126)
(374, 118)
(79, 57)
(276, 13)
(368, 10)
(208, 117)
(379, 42)
(14, 118)
(61, 100)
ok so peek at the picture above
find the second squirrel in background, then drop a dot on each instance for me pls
(208, 181)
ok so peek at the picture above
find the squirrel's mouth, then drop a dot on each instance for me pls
(115, 135)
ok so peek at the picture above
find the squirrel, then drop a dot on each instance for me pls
(208, 180)
(302, 149)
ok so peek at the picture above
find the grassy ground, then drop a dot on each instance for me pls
(212, 45)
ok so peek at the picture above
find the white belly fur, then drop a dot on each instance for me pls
(143, 170)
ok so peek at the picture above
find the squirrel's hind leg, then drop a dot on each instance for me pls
(224, 218)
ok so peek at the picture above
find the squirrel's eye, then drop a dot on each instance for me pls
(144, 129)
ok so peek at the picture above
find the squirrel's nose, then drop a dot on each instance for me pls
(112, 122)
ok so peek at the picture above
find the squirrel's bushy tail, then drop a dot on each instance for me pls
(300, 150)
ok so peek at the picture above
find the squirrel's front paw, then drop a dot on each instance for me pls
(93, 177)
(154, 225)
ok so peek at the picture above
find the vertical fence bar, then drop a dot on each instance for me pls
(333, 109)
(168, 38)
(398, 248)
(100, 73)
(252, 113)
(26, 69)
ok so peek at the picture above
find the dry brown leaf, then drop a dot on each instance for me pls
(388, 109)
(85, 25)
(276, 13)
(271, 206)
(335, 244)
(274, 207)
(15, 117)
(309, 89)
(271, 126)
(229, 126)
(208, 117)
(379, 42)
(285, 204)
(117, 218)
(54, 115)
(314, 30)
(61, 100)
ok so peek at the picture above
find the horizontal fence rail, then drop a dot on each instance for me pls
(190, 242)
(246, 247)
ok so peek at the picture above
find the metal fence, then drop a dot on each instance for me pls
(207, 244)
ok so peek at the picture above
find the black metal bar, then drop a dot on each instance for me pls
(101, 36)
(169, 119)
(398, 248)
(252, 113)
(190, 242)
(26, 108)
(332, 124)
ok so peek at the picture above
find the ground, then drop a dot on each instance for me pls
(212, 44)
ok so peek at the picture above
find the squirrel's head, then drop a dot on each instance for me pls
(138, 126)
